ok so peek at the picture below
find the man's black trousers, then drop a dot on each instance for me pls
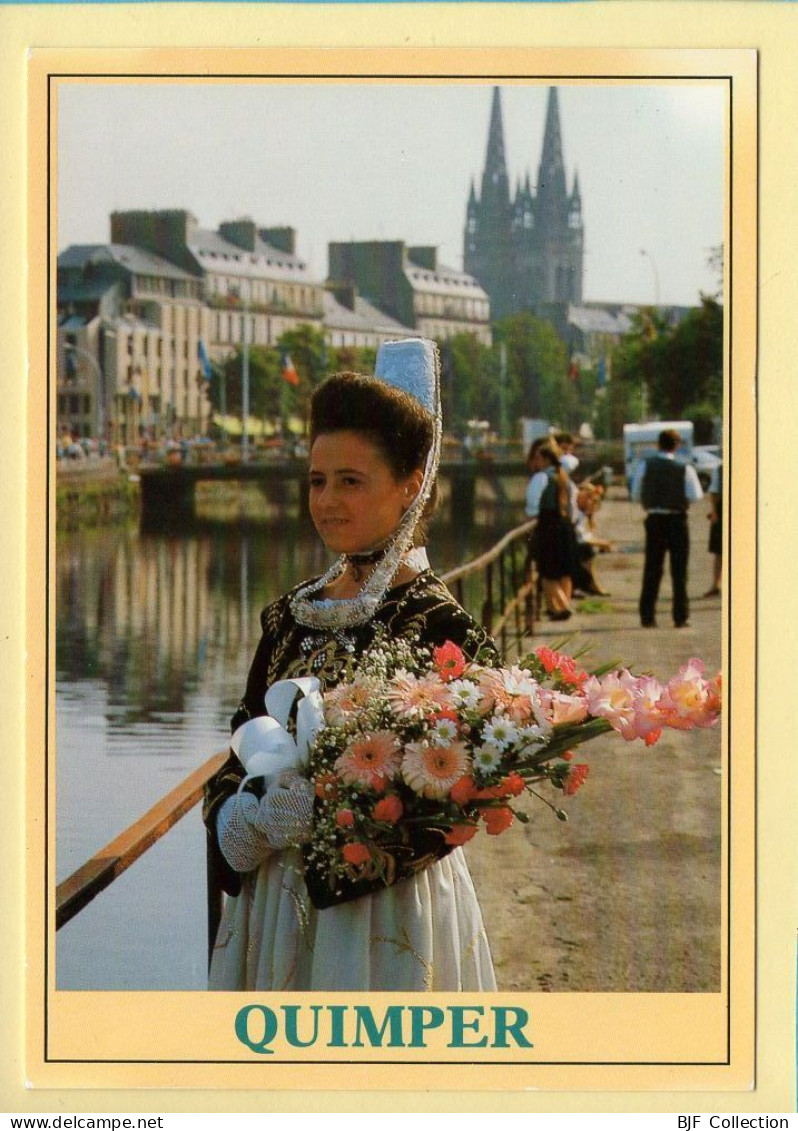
(665, 534)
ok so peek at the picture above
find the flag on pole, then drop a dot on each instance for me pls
(204, 360)
(601, 372)
(289, 373)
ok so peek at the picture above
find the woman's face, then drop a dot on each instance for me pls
(356, 502)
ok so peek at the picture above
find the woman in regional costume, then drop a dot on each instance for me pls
(375, 446)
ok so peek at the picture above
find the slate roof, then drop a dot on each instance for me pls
(365, 318)
(133, 259)
(443, 281)
(215, 253)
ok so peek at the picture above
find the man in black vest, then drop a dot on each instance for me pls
(666, 488)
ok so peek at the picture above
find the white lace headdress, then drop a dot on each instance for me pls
(412, 365)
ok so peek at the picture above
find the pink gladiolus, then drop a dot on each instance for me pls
(634, 707)
(561, 708)
(611, 698)
(649, 714)
(689, 700)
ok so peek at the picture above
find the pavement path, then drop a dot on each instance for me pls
(625, 896)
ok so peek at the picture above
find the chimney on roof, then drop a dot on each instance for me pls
(241, 232)
(165, 233)
(426, 257)
(284, 239)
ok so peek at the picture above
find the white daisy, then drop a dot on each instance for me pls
(487, 757)
(444, 732)
(464, 693)
(500, 732)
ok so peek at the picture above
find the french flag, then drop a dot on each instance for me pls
(204, 360)
(289, 373)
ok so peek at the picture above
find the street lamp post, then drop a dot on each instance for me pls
(653, 263)
(643, 390)
(245, 375)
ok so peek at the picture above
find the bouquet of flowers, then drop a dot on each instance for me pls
(428, 738)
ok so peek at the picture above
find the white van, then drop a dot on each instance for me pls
(642, 440)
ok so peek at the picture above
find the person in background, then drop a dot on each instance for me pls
(666, 488)
(549, 500)
(537, 483)
(588, 543)
(716, 528)
(568, 459)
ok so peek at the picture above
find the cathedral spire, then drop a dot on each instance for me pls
(495, 184)
(576, 195)
(551, 174)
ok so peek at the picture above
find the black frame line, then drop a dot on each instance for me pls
(384, 79)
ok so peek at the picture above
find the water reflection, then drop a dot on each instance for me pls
(154, 636)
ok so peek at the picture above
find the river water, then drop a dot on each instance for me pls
(154, 635)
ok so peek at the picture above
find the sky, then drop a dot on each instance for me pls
(370, 160)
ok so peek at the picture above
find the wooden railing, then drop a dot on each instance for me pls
(508, 610)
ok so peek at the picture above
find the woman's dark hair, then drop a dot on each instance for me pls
(393, 421)
(552, 455)
(534, 448)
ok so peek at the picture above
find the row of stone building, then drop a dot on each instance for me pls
(132, 314)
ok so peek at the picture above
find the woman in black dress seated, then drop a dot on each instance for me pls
(375, 445)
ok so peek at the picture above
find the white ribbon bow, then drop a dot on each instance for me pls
(264, 746)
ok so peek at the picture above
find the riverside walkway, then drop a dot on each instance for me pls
(625, 896)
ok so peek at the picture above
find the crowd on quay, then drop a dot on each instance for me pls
(564, 541)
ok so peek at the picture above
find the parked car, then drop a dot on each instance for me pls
(705, 458)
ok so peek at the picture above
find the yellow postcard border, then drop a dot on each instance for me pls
(55, 1018)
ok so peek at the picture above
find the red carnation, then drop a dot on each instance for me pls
(513, 784)
(344, 818)
(576, 777)
(548, 657)
(389, 809)
(356, 854)
(463, 790)
(449, 660)
(497, 820)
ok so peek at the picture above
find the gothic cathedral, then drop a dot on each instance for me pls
(526, 252)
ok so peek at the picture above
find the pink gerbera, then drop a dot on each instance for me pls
(433, 770)
(348, 699)
(370, 761)
(414, 697)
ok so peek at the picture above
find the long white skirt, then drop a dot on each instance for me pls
(424, 933)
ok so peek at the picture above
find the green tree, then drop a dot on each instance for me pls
(264, 382)
(469, 381)
(669, 370)
(537, 369)
(355, 359)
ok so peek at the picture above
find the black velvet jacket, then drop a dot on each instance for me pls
(423, 607)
